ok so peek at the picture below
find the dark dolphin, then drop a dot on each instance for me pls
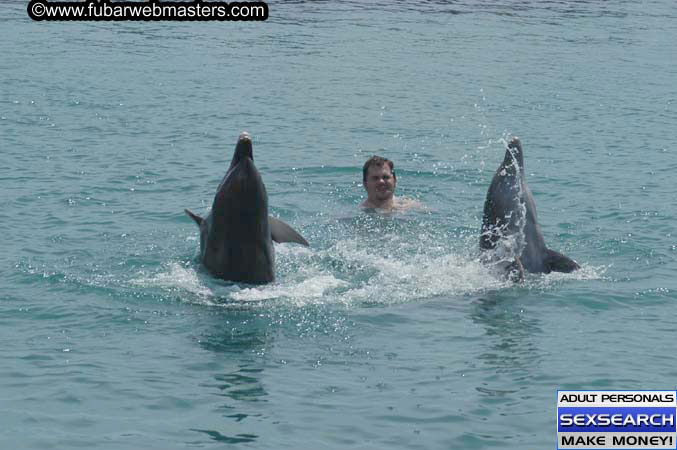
(509, 224)
(236, 237)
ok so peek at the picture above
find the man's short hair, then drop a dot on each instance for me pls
(376, 161)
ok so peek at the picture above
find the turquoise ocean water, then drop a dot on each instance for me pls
(386, 333)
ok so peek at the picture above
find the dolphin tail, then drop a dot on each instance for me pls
(198, 220)
(559, 263)
(281, 232)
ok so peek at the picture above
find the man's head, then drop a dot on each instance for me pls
(378, 177)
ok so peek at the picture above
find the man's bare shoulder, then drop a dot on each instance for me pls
(408, 203)
(397, 204)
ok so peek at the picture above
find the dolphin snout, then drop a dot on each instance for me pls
(244, 136)
(244, 146)
(514, 151)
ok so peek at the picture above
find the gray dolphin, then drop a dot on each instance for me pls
(509, 222)
(236, 237)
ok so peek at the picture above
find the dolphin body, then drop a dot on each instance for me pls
(236, 237)
(509, 224)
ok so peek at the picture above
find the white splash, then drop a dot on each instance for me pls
(175, 277)
(351, 272)
(307, 291)
(399, 279)
(585, 273)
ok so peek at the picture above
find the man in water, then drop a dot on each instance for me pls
(379, 180)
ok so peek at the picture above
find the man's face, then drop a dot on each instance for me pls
(380, 183)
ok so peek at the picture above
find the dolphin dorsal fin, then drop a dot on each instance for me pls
(198, 220)
(281, 232)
